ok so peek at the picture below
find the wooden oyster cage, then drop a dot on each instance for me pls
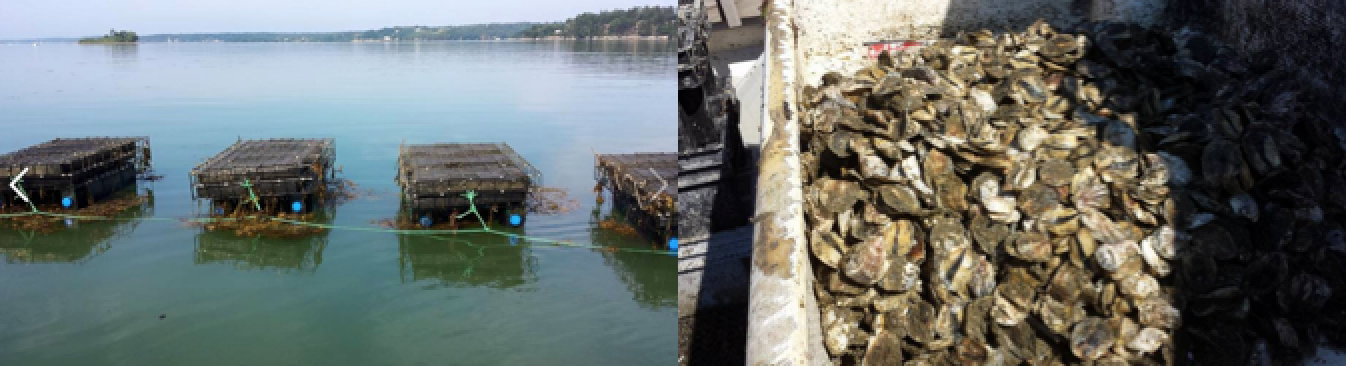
(278, 171)
(435, 180)
(643, 187)
(80, 171)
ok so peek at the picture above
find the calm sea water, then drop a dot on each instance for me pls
(93, 295)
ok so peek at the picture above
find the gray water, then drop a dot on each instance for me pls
(94, 294)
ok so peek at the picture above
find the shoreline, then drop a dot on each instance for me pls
(605, 38)
(600, 38)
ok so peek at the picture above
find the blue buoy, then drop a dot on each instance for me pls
(515, 220)
(69, 222)
(296, 206)
(219, 210)
(66, 202)
(673, 243)
(425, 221)
(513, 240)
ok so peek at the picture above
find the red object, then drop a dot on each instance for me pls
(875, 48)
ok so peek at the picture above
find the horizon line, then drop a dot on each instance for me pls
(278, 32)
(341, 31)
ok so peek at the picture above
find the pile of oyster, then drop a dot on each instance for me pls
(1118, 195)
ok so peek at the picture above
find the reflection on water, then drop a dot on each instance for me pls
(645, 274)
(466, 260)
(121, 53)
(83, 241)
(620, 57)
(290, 255)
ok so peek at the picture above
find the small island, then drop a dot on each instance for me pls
(113, 36)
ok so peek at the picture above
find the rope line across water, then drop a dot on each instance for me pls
(486, 229)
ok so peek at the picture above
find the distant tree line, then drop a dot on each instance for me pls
(460, 32)
(637, 21)
(114, 36)
(405, 33)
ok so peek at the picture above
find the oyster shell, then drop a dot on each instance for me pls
(1147, 340)
(982, 279)
(873, 167)
(1031, 137)
(1061, 221)
(1153, 260)
(902, 274)
(1056, 173)
(1022, 175)
(1266, 273)
(1222, 165)
(839, 335)
(1117, 164)
(883, 349)
(1163, 241)
(901, 199)
(1138, 286)
(1088, 191)
(834, 195)
(1030, 246)
(828, 247)
(947, 234)
(1155, 312)
(1012, 304)
(1037, 199)
(1058, 316)
(840, 286)
(1091, 338)
(869, 261)
(920, 321)
(1243, 205)
(986, 233)
(1086, 168)
(975, 317)
(1068, 283)
(972, 351)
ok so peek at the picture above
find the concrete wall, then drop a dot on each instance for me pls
(831, 33)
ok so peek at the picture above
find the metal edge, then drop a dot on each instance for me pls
(528, 169)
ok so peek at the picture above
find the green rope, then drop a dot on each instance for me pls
(472, 208)
(253, 196)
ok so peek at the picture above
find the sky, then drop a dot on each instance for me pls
(26, 19)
